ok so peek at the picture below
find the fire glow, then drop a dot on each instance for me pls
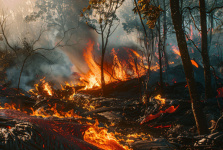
(171, 109)
(120, 71)
(100, 137)
(95, 135)
(162, 100)
(177, 52)
(43, 88)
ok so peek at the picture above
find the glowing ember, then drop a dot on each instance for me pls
(162, 100)
(194, 63)
(100, 137)
(171, 109)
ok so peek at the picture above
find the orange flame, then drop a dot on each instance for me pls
(43, 88)
(176, 50)
(171, 109)
(100, 137)
(47, 87)
(60, 114)
(194, 63)
(43, 112)
(162, 100)
(119, 70)
(95, 135)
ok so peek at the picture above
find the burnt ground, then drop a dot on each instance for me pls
(122, 111)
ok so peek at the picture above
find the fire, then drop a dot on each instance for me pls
(162, 100)
(156, 67)
(171, 109)
(43, 112)
(95, 135)
(120, 70)
(100, 137)
(47, 87)
(176, 50)
(93, 78)
(8, 106)
(43, 88)
(194, 63)
(55, 113)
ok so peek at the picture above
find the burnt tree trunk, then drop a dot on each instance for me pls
(204, 49)
(199, 116)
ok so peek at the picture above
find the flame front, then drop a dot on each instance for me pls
(120, 70)
(100, 137)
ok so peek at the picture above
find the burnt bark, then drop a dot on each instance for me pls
(199, 116)
(204, 49)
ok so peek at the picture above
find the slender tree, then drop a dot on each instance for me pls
(199, 116)
(104, 21)
(204, 49)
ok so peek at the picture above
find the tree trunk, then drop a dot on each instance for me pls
(204, 49)
(20, 75)
(102, 62)
(165, 34)
(160, 59)
(199, 116)
(102, 73)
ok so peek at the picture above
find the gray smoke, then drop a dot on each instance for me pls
(57, 65)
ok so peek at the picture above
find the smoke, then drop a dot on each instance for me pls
(56, 65)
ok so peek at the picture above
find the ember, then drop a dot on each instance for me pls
(171, 109)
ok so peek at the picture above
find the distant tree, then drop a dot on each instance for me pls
(104, 21)
(61, 14)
